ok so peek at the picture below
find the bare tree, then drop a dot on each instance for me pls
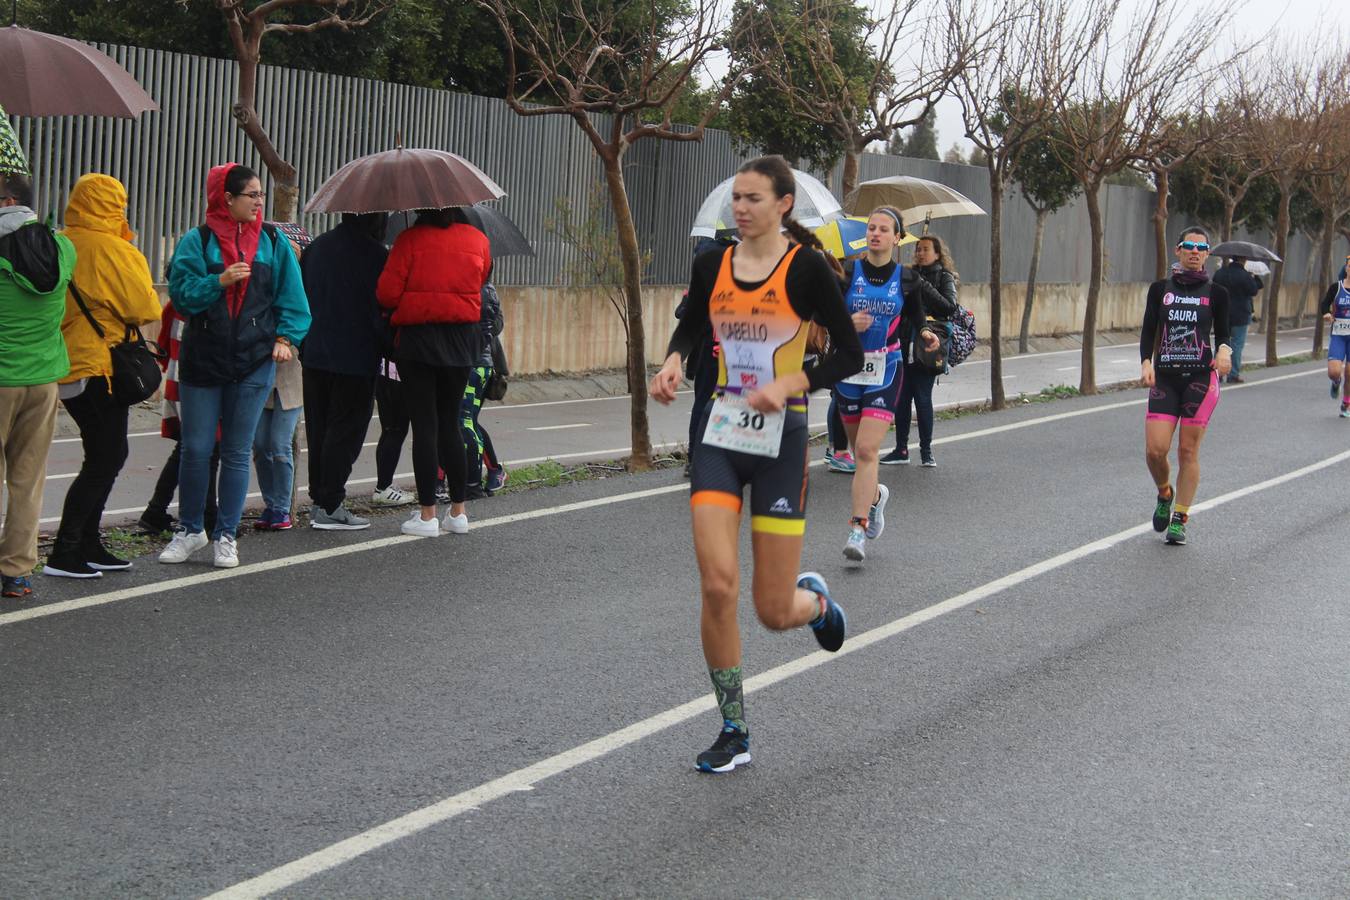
(631, 62)
(1291, 120)
(1006, 101)
(247, 26)
(1172, 146)
(912, 65)
(1330, 193)
(1128, 87)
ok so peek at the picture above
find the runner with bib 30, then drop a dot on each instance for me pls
(1336, 311)
(1182, 372)
(867, 401)
(760, 295)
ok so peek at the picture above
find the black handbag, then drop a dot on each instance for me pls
(495, 389)
(932, 361)
(135, 366)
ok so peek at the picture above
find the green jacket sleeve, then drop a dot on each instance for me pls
(191, 287)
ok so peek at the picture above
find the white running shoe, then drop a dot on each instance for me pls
(391, 496)
(419, 527)
(456, 524)
(183, 545)
(854, 548)
(876, 516)
(227, 552)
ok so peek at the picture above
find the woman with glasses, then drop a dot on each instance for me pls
(238, 284)
(1182, 370)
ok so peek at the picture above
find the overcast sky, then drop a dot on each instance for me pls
(1298, 22)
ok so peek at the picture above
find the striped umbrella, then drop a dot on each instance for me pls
(916, 199)
(848, 237)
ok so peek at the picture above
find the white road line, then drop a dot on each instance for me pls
(527, 778)
(76, 440)
(559, 427)
(514, 406)
(1067, 369)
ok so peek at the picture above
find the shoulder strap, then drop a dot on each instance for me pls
(205, 232)
(75, 292)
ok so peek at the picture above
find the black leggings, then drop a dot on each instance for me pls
(434, 395)
(918, 390)
(103, 435)
(393, 429)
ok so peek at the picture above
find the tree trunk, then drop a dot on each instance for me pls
(1324, 278)
(850, 176)
(1024, 336)
(996, 396)
(1229, 211)
(1277, 271)
(1160, 262)
(285, 180)
(1087, 381)
(641, 457)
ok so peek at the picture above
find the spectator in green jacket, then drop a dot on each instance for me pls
(35, 267)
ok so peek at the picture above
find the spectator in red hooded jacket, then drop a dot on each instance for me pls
(433, 282)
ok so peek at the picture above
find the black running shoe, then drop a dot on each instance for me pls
(99, 558)
(1176, 530)
(1162, 513)
(832, 625)
(731, 749)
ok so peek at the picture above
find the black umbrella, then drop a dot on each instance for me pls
(1244, 249)
(504, 238)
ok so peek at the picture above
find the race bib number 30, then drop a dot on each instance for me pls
(873, 370)
(1340, 326)
(733, 425)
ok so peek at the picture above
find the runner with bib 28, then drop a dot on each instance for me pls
(1182, 372)
(1336, 311)
(760, 295)
(867, 400)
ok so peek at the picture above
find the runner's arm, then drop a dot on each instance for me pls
(696, 319)
(1219, 317)
(813, 291)
(1152, 311)
(1327, 299)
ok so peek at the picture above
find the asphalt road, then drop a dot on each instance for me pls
(1038, 697)
(593, 430)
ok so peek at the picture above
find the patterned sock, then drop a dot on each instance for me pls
(727, 690)
(1184, 512)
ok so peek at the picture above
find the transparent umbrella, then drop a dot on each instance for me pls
(814, 206)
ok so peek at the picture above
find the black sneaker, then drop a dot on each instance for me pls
(152, 522)
(832, 625)
(731, 749)
(897, 457)
(1176, 530)
(1162, 513)
(66, 565)
(99, 558)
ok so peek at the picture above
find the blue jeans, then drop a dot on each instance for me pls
(1237, 339)
(272, 457)
(235, 408)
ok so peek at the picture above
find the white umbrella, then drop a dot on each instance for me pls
(814, 206)
(916, 199)
(1257, 268)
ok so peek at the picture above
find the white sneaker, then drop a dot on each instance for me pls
(391, 496)
(419, 527)
(227, 552)
(182, 546)
(456, 524)
(876, 516)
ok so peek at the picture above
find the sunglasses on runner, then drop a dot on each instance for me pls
(1193, 245)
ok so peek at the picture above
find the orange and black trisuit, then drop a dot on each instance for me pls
(762, 327)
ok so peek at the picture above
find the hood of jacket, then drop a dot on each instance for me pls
(99, 203)
(12, 218)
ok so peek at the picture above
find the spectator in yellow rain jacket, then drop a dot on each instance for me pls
(113, 279)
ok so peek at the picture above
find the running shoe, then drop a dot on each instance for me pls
(340, 519)
(154, 522)
(1162, 513)
(1335, 389)
(841, 462)
(853, 547)
(926, 461)
(876, 516)
(64, 565)
(731, 749)
(99, 558)
(1176, 530)
(420, 527)
(897, 457)
(832, 625)
(227, 552)
(1345, 410)
(265, 520)
(183, 545)
(16, 586)
(282, 521)
(456, 524)
(391, 496)
(497, 478)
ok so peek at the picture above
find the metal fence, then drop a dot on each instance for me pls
(320, 122)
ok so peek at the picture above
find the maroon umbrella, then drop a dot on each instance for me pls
(46, 75)
(397, 180)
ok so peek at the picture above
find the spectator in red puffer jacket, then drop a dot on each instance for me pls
(433, 281)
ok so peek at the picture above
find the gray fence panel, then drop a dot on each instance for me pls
(320, 122)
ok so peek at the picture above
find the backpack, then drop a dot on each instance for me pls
(204, 231)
